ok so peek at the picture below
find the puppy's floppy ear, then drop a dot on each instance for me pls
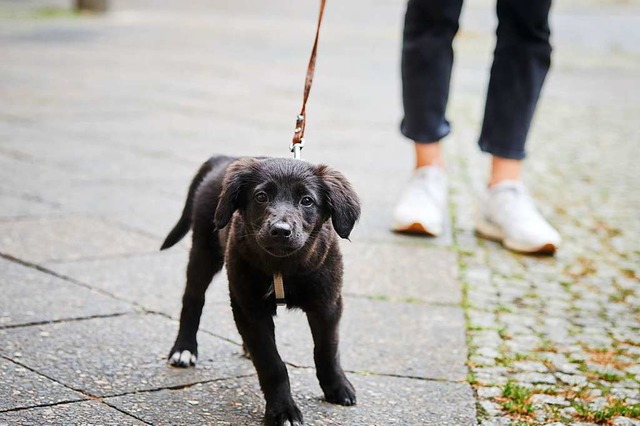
(341, 199)
(236, 178)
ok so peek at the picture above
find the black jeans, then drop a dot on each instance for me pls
(521, 60)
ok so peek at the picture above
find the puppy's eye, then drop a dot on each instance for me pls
(262, 197)
(307, 201)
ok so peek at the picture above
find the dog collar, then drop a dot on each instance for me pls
(278, 288)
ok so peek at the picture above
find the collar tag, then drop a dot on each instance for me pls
(278, 287)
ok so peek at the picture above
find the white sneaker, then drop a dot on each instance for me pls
(507, 214)
(421, 209)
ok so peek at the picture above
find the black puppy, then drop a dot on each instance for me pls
(265, 217)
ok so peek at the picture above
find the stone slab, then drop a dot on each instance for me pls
(84, 413)
(40, 240)
(151, 206)
(22, 388)
(101, 160)
(156, 282)
(239, 402)
(21, 206)
(413, 272)
(380, 337)
(109, 356)
(30, 296)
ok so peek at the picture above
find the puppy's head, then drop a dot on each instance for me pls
(284, 202)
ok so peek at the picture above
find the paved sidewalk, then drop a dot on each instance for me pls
(104, 120)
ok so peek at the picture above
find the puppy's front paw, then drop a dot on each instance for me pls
(183, 356)
(183, 359)
(341, 393)
(283, 415)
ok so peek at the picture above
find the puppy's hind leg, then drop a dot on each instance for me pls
(324, 328)
(205, 260)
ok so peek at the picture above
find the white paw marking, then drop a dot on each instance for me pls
(183, 359)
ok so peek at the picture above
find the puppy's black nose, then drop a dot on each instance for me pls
(281, 229)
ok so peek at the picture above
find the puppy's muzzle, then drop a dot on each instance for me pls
(281, 230)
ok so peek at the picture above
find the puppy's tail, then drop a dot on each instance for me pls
(184, 223)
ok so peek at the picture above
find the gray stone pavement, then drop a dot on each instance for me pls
(104, 119)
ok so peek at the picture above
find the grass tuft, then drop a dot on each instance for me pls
(516, 399)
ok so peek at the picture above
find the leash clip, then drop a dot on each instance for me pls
(298, 137)
(296, 148)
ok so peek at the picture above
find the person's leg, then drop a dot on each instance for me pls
(521, 60)
(504, 169)
(427, 58)
(429, 154)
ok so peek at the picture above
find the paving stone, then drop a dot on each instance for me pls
(482, 319)
(66, 239)
(31, 296)
(381, 337)
(491, 375)
(497, 421)
(488, 352)
(107, 356)
(150, 207)
(568, 412)
(542, 399)
(486, 338)
(491, 408)
(568, 368)
(523, 343)
(625, 421)
(489, 392)
(627, 394)
(103, 161)
(409, 271)
(530, 366)
(156, 282)
(20, 206)
(86, 413)
(478, 361)
(381, 400)
(535, 378)
(23, 388)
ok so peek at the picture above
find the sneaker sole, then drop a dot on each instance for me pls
(415, 229)
(491, 232)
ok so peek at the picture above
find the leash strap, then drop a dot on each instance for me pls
(301, 120)
(278, 288)
(298, 137)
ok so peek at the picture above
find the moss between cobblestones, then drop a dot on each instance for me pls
(621, 294)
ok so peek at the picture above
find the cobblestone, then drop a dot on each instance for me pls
(564, 330)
